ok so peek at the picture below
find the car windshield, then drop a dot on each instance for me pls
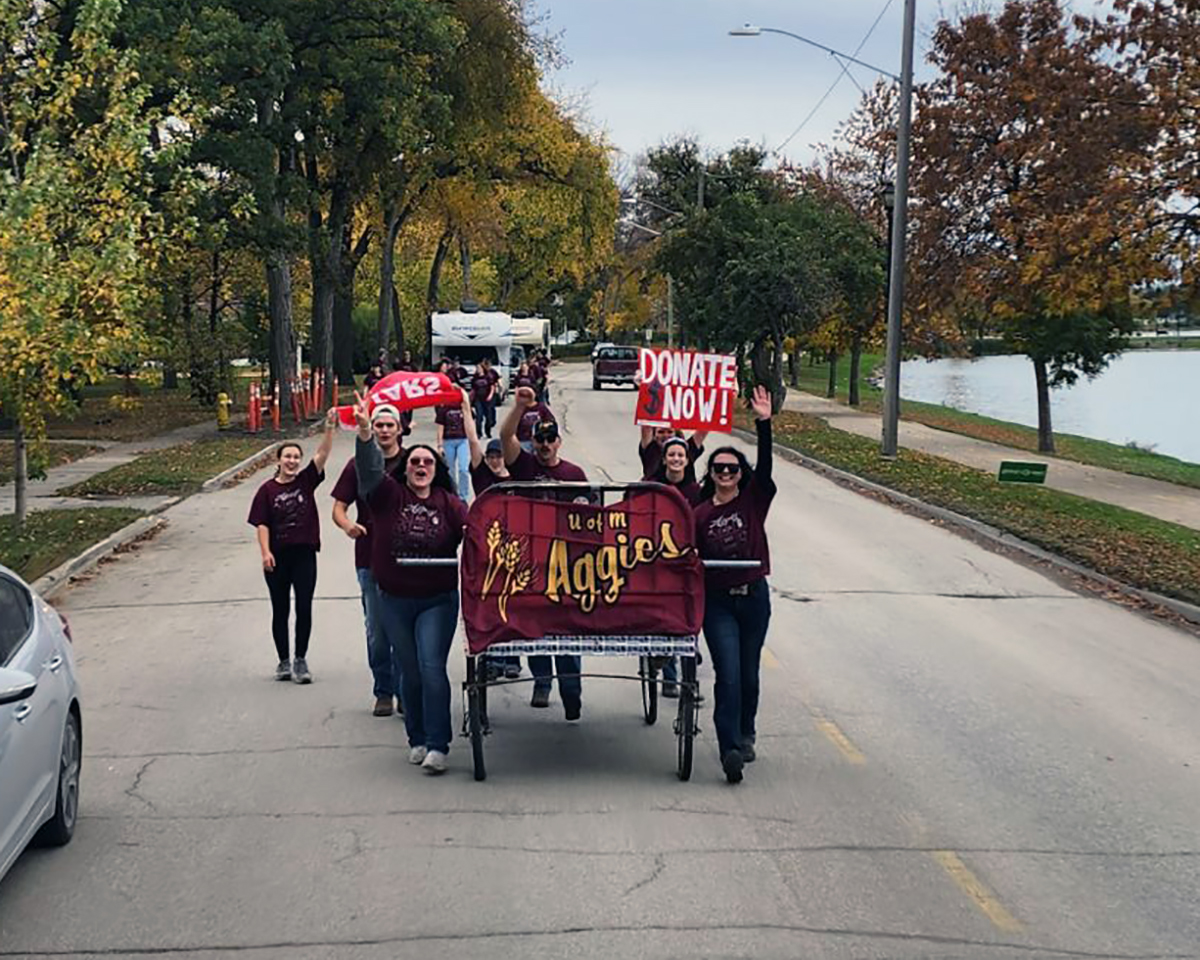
(618, 353)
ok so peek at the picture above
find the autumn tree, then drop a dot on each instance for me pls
(1028, 204)
(74, 217)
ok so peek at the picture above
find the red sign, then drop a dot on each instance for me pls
(541, 568)
(405, 390)
(686, 390)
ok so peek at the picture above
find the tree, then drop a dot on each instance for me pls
(1031, 149)
(74, 218)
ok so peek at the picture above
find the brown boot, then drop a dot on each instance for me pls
(383, 707)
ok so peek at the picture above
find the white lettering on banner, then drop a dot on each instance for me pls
(678, 368)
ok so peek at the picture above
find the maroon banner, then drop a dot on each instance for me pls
(408, 391)
(534, 568)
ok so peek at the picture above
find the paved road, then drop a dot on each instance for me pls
(1167, 501)
(958, 758)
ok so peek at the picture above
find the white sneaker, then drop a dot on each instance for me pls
(417, 755)
(435, 762)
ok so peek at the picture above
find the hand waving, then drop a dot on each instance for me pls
(760, 403)
(362, 415)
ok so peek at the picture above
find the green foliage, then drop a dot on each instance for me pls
(175, 470)
(52, 537)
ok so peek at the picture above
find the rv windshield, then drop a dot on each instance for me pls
(473, 354)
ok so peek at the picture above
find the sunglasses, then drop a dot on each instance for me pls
(545, 438)
(421, 462)
(726, 468)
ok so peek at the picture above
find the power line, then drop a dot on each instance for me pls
(844, 71)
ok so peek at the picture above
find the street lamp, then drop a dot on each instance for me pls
(891, 392)
(670, 280)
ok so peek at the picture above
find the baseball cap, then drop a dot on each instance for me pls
(494, 446)
(385, 408)
(546, 430)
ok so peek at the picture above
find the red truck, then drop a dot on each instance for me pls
(614, 365)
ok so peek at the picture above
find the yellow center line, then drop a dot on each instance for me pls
(840, 740)
(975, 889)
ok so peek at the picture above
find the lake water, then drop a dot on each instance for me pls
(1150, 397)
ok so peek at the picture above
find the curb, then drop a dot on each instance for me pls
(993, 536)
(219, 481)
(60, 576)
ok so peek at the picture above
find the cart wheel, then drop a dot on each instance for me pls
(649, 677)
(475, 720)
(685, 722)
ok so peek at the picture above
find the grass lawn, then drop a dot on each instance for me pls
(175, 470)
(1096, 453)
(106, 415)
(56, 455)
(1134, 548)
(51, 537)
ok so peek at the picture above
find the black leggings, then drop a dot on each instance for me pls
(295, 568)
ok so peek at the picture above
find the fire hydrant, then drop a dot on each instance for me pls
(223, 411)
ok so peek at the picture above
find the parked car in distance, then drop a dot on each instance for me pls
(600, 346)
(41, 723)
(615, 365)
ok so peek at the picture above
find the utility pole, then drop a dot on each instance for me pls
(891, 386)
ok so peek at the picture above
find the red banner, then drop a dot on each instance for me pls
(405, 390)
(540, 568)
(686, 390)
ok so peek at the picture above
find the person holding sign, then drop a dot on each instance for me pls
(419, 517)
(731, 525)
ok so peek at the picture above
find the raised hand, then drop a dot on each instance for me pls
(362, 415)
(760, 403)
(525, 397)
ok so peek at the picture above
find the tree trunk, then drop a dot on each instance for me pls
(793, 368)
(20, 472)
(397, 320)
(1045, 430)
(220, 379)
(464, 254)
(387, 279)
(431, 293)
(279, 279)
(170, 376)
(778, 389)
(831, 387)
(855, 368)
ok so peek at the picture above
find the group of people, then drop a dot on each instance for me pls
(411, 502)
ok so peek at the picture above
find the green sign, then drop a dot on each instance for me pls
(1013, 471)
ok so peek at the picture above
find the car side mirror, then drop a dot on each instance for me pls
(15, 686)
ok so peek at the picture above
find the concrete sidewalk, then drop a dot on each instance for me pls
(1167, 501)
(43, 494)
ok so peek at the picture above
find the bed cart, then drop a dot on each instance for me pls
(585, 570)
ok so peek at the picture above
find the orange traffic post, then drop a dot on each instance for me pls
(275, 408)
(295, 392)
(251, 423)
(335, 393)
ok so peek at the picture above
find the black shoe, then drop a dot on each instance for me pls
(541, 698)
(731, 763)
(748, 753)
(573, 708)
(670, 691)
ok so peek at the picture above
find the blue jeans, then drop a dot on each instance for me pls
(421, 630)
(569, 688)
(381, 656)
(458, 459)
(734, 629)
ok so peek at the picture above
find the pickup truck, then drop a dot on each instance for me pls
(614, 365)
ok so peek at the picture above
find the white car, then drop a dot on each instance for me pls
(41, 726)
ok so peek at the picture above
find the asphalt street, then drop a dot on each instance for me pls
(957, 758)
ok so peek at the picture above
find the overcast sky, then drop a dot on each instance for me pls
(654, 69)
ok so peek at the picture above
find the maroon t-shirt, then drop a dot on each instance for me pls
(736, 531)
(408, 526)
(346, 490)
(651, 456)
(532, 416)
(524, 380)
(481, 385)
(289, 510)
(451, 419)
(528, 467)
(482, 477)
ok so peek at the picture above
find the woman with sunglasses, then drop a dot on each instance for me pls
(731, 521)
(417, 516)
